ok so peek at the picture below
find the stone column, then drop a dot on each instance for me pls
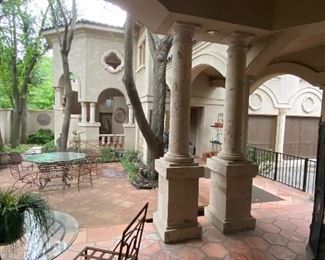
(280, 130)
(176, 215)
(92, 112)
(180, 95)
(83, 112)
(58, 110)
(58, 97)
(131, 115)
(230, 209)
(235, 100)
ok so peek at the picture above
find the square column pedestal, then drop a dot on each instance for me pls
(129, 140)
(231, 195)
(90, 131)
(176, 216)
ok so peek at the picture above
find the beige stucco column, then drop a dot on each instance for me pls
(131, 115)
(280, 130)
(180, 95)
(58, 110)
(129, 131)
(58, 96)
(231, 174)
(84, 112)
(176, 215)
(92, 112)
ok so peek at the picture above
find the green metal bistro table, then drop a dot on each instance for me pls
(54, 165)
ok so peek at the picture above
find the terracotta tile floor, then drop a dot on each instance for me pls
(103, 211)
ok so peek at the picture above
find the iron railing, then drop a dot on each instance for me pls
(294, 171)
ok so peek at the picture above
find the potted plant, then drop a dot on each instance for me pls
(14, 205)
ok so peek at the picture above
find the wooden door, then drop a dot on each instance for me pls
(301, 135)
(261, 131)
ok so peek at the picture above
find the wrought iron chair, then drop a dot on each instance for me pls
(127, 248)
(50, 171)
(93, 155)
(24, 175)
(82, 169)
(21, 173)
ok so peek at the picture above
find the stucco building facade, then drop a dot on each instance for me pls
(208, 85)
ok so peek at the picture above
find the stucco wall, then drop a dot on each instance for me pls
(297, 96)
(35, 121)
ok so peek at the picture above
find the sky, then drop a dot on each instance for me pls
(94, 10)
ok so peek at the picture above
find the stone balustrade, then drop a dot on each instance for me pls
(115, 141)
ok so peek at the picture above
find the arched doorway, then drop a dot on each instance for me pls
(207, 99)
(111, 111)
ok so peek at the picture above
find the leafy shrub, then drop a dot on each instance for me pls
(41, 136)
(131, 169)
(130, 162)
(22, 148)
(131, 155)
(49, 147)
(107, 155)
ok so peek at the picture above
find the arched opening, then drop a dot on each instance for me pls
(207, 96)
(284, 114)
(111, 111)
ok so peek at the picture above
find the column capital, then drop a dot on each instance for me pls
(282, 111)
(92, 104)
(184, 29)
(239, 39)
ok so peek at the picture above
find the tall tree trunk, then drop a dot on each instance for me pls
(159, 50)
(68, 103)
(1, 141)
(23, 124)
(16, 123)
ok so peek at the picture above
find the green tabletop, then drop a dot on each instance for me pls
(55, 157)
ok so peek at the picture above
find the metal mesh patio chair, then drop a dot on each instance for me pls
(82, 169)
(93, 157)
(50, 171)
(24, 175)
(127, 248)
(16, 158)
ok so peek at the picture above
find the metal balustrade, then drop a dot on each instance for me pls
(294, 171)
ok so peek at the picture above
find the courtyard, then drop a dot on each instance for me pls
(103, 211)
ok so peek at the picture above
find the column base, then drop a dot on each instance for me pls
(229, 227)
(230, 195)
(175, 235)
(176, 215)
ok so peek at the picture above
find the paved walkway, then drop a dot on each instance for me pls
(104, 210)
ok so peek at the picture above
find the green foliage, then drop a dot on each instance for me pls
(49, 147)
(131, 169)
(41, 94)
(41, 136)
(22, 148)
(130, 160)
(264, 160)
(131, 155)
(13, 206)
(107, 155)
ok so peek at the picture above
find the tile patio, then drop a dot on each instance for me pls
(104, 210)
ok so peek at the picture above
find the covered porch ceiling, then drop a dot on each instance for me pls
(288, 36)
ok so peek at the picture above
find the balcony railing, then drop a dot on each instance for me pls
(115, 141)
(294, 171)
